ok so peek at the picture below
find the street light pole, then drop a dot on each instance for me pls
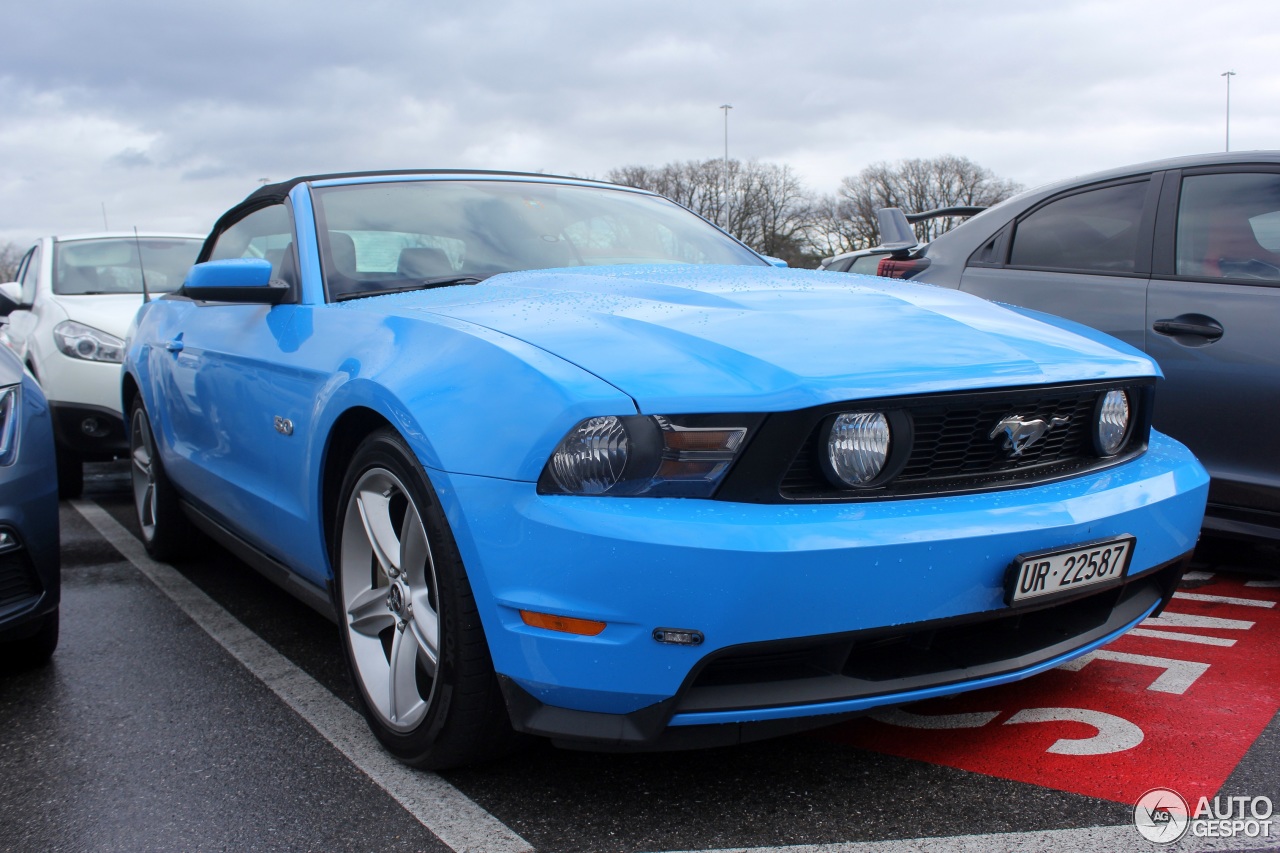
(726, 108)
(1228, 75)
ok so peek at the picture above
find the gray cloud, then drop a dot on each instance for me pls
(167, 113)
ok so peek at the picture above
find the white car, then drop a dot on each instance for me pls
(69, 312)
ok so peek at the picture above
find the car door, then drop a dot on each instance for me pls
(219, 396)
(1084, 254)
(1211, 324)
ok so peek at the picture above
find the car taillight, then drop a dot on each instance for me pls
(900, 268)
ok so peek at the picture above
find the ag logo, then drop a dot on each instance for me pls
(1161, 815)
(1019, 434)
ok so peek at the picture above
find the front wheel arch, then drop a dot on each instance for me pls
(347, 433)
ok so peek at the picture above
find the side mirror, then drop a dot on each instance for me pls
(243, 280)
(775, 262)
(10, 297)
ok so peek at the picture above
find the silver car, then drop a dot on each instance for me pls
(1181, 259)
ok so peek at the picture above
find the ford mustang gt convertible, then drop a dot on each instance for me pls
(563, 459)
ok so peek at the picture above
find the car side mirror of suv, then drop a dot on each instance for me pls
(244, 280)
(10, 297)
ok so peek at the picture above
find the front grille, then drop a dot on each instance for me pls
(17, 578)
(952, 449)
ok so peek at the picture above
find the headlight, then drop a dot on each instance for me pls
(85, 342)
(1111, 427)
(858, 447)
(654, 456)
(10, 415)
(592, 458)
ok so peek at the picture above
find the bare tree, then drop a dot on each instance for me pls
(763, 204)
(10, 256)
(847, 221)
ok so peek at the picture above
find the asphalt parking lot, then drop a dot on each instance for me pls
(198, 707)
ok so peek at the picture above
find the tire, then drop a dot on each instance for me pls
(70, 473)
(33, 651)
(408, 620)
(166, 531)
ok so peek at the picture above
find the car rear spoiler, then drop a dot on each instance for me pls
(961, 210)
(896, 234)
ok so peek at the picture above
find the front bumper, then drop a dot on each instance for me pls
(84, 397)
(816, 585)
(92, 432)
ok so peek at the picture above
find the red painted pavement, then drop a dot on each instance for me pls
(1190, 741)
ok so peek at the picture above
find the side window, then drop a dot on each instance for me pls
(265, 233)
(30, 275)
(1093, 231)
(1229, 226)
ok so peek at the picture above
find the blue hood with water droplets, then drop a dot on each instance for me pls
(736, 338)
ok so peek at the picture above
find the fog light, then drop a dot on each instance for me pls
(858, 447)
(93, 427)
(1112, 425)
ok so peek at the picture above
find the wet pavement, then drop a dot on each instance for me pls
(147, 733)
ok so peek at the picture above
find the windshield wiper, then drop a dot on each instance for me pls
(420, 284)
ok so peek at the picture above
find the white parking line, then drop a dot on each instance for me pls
(1187, 620)
(1093, 839)
(1224, 599)
(1202, 639)
(448, 813)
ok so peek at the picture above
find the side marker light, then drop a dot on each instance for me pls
(678, 636)
(564, 624)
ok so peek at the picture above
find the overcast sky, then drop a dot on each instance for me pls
(168, 113)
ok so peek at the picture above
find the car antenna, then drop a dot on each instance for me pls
(146, 297)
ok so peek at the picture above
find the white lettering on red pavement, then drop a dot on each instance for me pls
(1177, 677)
(1177, 702)
(1114, 734)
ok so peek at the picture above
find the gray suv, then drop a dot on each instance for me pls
(1179, 258)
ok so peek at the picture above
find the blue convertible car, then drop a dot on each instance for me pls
(563, 459)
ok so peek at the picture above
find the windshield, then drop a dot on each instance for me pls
(386, 236)
(111, 265)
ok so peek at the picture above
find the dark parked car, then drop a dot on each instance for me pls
(868, 261)
(1180, 258)
(29, 560)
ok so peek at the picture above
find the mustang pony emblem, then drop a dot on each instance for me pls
(1020, 434)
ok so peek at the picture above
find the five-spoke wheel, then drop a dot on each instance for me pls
(390, 605)
(409, 623)
(165, 529)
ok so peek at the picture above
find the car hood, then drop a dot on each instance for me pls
(728, 338)
(111, 312)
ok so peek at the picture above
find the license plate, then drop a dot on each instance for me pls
(1065, 569)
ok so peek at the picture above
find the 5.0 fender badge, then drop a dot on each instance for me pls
(284, 426)
(1019, 434)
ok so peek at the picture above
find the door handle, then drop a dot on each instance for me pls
(1189, 324)
(174, 345)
